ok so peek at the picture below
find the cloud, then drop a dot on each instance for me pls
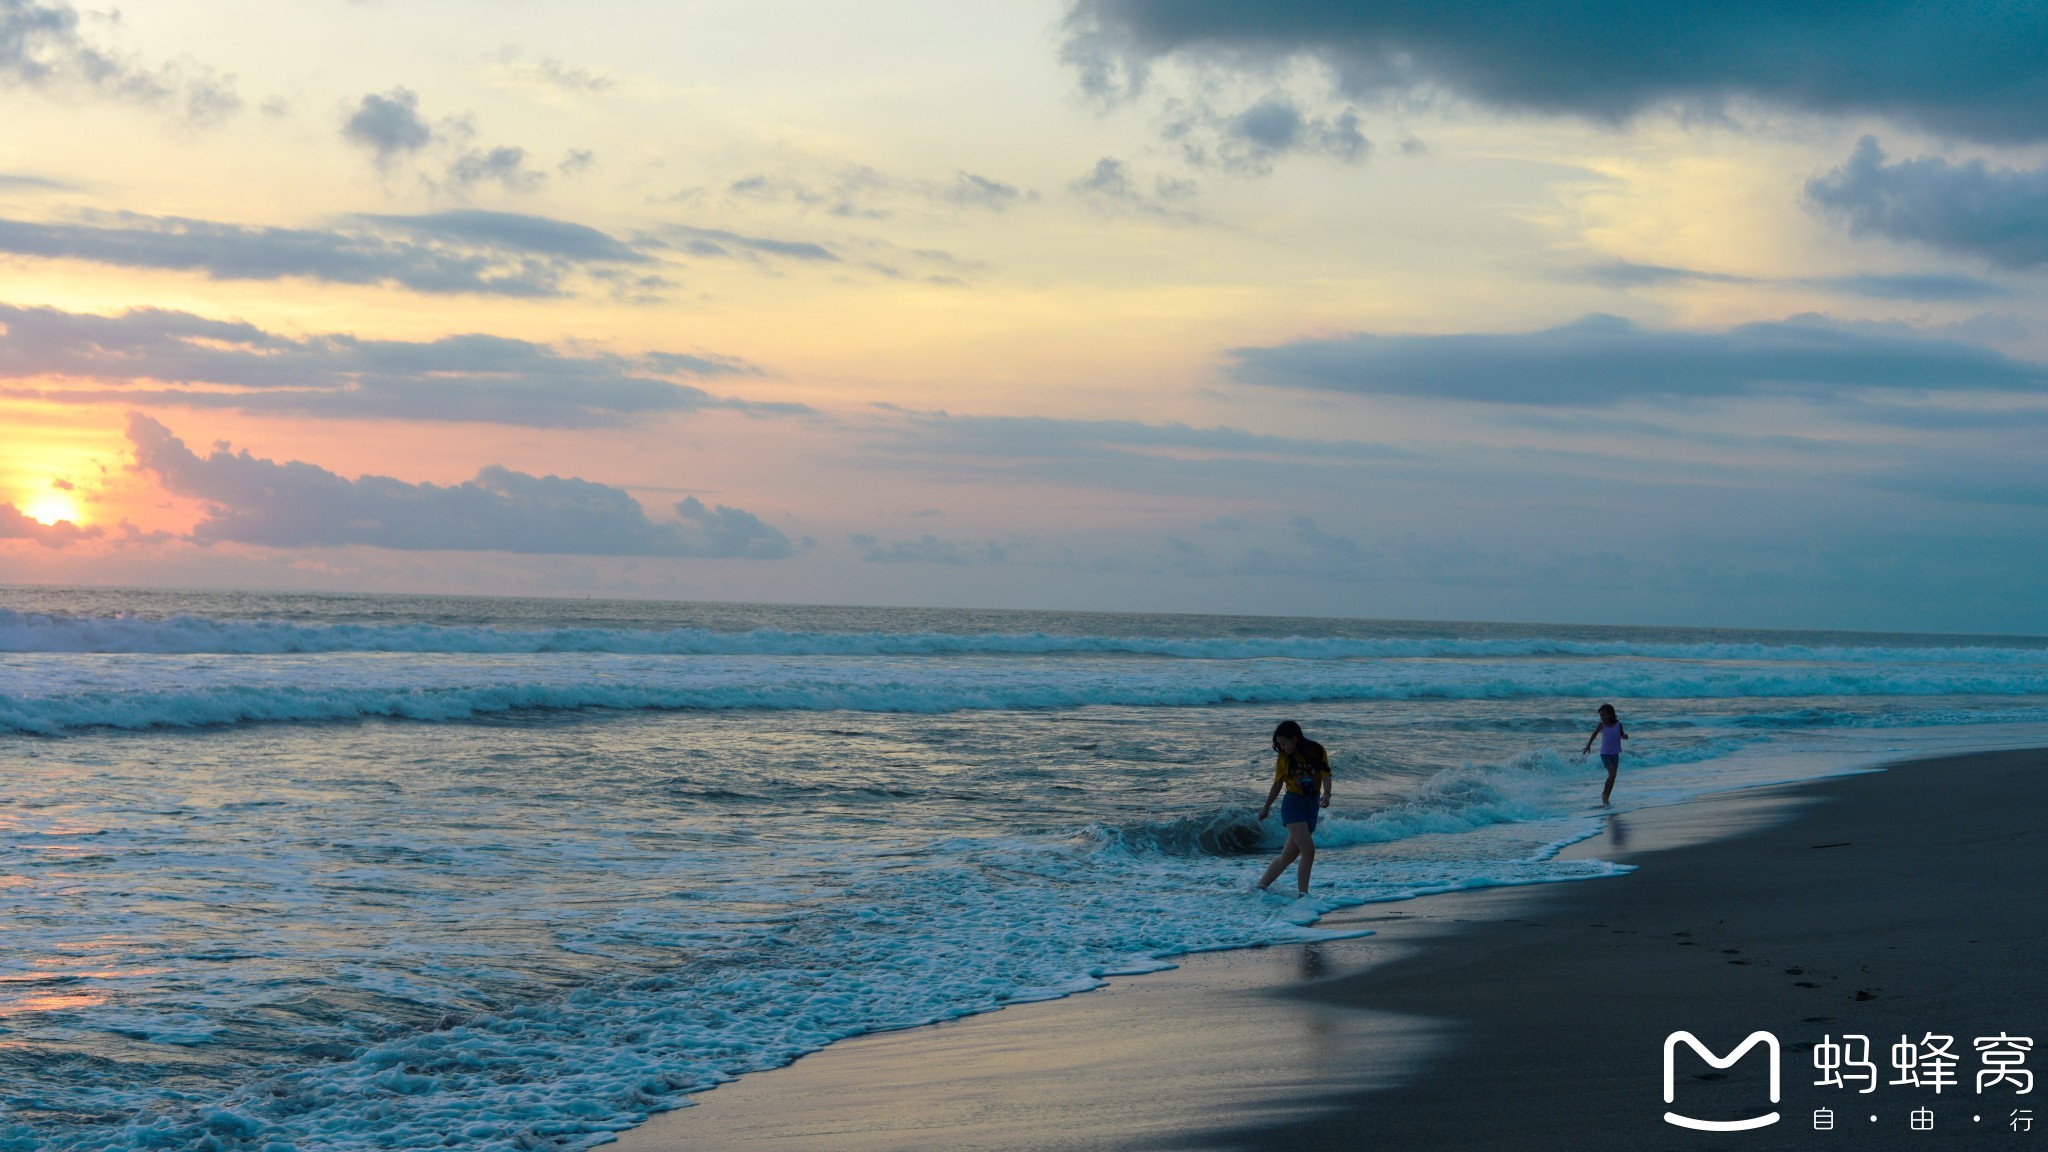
(1113, 186)
(162, 357)
(484, 253)
(1997, 214)
(1296, 548)
(1629, 274)
(39, 183)
(18, 525)
(1981, 478)
(1606, 359)
(719, 242)
(927, 549)
(549, 74)
(389, 125)
(864, 193)
(1053, 436)
(504, 166)
(1954, 68)
(1251, 139)
(511, 231)
(1328, 546)
(1092, 456)
(42, 48)
(250, 500)
(1935, 286)
(971, 191)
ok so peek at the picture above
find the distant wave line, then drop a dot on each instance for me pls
(183, 698)
(24, 632)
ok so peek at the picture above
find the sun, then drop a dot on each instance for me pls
(51, 506)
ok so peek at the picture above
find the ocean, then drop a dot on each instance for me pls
(353, 872)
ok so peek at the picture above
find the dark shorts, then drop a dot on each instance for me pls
(1299, 810)
(1612, 762)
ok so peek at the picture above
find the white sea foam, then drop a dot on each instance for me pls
(985, 923)
(50, 694)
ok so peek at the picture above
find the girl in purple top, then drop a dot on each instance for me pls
(1610, 733)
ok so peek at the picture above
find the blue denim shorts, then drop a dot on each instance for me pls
(1299, 810)
(1611, 762)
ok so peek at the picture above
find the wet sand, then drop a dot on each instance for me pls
(1913, 900)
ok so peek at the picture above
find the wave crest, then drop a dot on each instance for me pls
(190, 635)
(1232, 831)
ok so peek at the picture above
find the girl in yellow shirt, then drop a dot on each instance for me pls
(1303, 771)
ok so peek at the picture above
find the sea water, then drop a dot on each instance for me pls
(339, 872)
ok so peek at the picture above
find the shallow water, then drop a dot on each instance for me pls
(364, 872)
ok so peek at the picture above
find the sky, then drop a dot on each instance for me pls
(1723, 315)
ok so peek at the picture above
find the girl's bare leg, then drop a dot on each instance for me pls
(1281, 861)
(1609, 790)
(1301, 843)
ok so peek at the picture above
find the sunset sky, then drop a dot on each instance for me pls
(1727, 314)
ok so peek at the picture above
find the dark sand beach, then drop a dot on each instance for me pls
(1909, 901)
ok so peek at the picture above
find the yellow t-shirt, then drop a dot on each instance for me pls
(1305, 779)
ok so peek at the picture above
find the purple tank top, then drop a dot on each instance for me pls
(1610, 739)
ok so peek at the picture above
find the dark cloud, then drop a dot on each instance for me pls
(41, 47)
(389, 124)
(1963, 69)
(1997, 214)
(155, 356)
(1605, 359)
(486, 253)
(1112, 185)
(18, 525)
(927, 549)
(255, 501)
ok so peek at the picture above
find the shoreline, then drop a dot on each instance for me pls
(1893, 903)
(1327, 1045)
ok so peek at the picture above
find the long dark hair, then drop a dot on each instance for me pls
(1304, 748)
